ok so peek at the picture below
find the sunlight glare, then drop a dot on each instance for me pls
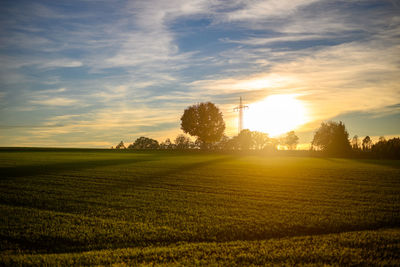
(276, 115)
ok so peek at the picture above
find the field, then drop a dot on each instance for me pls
(167, 207)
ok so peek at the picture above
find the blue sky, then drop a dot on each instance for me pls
(92, 73)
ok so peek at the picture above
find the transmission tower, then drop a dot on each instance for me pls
(240, 108)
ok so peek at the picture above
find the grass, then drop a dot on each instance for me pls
(102, 207)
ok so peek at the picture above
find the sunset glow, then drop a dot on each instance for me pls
(93, 73)
(276, 114)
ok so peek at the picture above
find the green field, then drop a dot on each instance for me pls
(166, 207)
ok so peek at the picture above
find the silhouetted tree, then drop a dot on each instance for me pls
(198, 143)
(332, 138)
(355, 144)
(291, 140)
(205, 121)
(273, 144)
(260, 140)
(387, 148)
(182, 142)
(245, 140)
(232, 143)
(366, 143)
(167, 144)
(120, 145)
(222, 144)
(144, 143)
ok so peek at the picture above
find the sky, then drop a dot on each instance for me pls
(91, 73)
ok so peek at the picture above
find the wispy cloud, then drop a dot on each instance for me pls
(356, 76)
(262, 10)
(44, 63)
(258, 41)
(55, 101)
(52, 91)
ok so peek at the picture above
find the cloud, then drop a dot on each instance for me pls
(385, 111)
(51, 98)
(261, 10)
(52, 91)
(142, 62)
(64, 63)
(103, 127)
(258, 41)
(356, 76)
(347, 77)
(45, 12)
(146, 44)
(26, 41)
(250, 83)
(55, 101)
(40, 63)
(144, 48)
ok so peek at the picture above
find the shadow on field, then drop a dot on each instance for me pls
(387, 163)
(32, 170)
(182, 168)
(196, 165)
(45, 244)
(381, 162)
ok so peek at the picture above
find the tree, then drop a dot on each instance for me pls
(261, 140)
(245, 140)
(205, 121)
(182, 142)
(197, 144)
(355, 144)
(222, 144)
(332, 138)
(120, 145)
(291, 140)
(387, 148)
(167, 144)
(232, 143)
(366, 143)
(272, 144)
(144, 143)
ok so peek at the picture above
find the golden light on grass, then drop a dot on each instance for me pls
(276, 114)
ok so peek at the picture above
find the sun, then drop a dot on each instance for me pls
(276, 115)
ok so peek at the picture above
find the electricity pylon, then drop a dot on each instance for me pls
(240, 108)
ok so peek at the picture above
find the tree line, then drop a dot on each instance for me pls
(246, 140)
(332, 139)
(205, 122)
